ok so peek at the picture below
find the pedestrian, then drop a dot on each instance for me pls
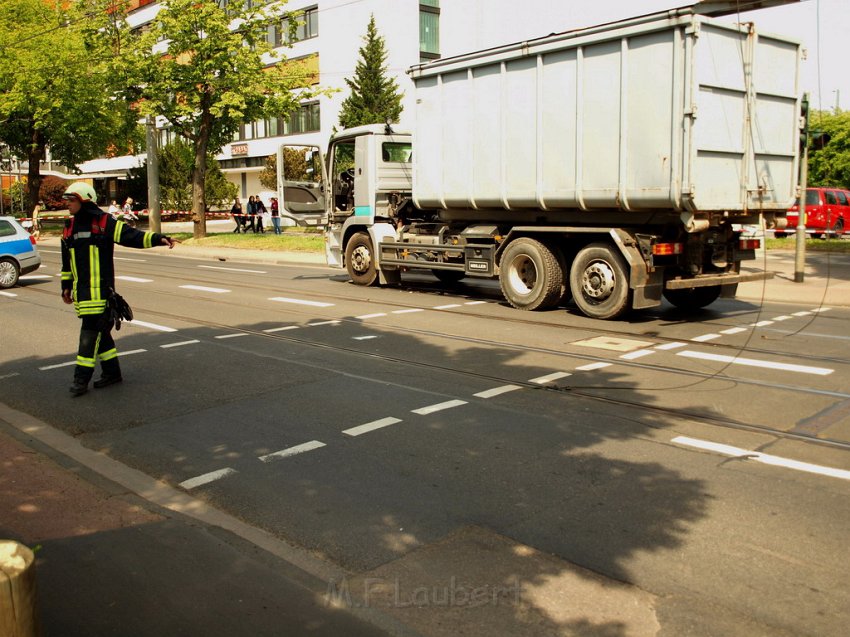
(252, 210)
(275, 215)
(236, 211)
(113, 209)
(130, 217)
(260, 209)
(88, 280)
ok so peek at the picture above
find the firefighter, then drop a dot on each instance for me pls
(88, 279)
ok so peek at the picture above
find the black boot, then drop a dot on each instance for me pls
(78, 388)
(110, 373)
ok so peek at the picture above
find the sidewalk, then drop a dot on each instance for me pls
(109, 562)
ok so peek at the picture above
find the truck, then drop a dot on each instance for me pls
(612, 166)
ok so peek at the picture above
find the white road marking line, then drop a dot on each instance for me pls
(777, 461)
(674, 345)
(637, 354)
(496, 391)
(806, 313)
(475, 303)
(284, 299)
(281, 329)
(133, 279)
(591, 366)
(153, 326)
(334, 322)
(33, 277)
(203, 288)
(10, 294)
(542, 380)
(447, 307)
(822, 309)
(371, 426)
(132, 351)
(212, 476)
(368, 316)
(236, 335)
(430, 409)
(293, 451)
(410, 311)
(129, 259)
(761, 324)
(705, 337)
(216, 267)
(68, 364)
(9, 375)
(751, 362)
(364, 338)
(734, 330)
(784, 317)
(181, 343)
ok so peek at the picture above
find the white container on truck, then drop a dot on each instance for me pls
(612, 164)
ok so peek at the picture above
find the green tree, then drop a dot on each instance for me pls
(176, 165)
(375, 98)
(829, 164)
(213, 77)
(268, 176)
(55, 83)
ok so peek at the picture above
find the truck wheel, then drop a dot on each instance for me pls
(449, 277)
(599, 280)
(9, 273)
(530, 275)
(360, 260)
(693, 298)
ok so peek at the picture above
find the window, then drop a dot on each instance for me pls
(306, 119)
(6, 229)
(396, 152)
(429, 29)
(306, 27)
(812, 198)
(830, 197)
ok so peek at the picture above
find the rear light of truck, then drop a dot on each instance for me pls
(749, 244)
(667, 249)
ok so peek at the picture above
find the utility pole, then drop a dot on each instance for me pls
(800, 239)
(153, 177)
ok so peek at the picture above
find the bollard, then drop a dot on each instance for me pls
(17, 590)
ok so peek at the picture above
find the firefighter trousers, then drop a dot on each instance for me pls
(96, 344)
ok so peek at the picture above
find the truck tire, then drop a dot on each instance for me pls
(599, 280)
(360, 259)
(691, 299)
(9, 273)
(530, 275)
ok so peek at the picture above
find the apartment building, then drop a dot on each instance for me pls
(327, 41)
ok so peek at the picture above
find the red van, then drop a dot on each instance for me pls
(827, 212)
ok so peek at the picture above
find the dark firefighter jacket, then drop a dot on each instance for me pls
(87, 247)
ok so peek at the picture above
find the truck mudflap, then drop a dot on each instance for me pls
(706, 280)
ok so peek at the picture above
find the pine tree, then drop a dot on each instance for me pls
(375, 98)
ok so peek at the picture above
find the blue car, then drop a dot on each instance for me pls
(18, 253)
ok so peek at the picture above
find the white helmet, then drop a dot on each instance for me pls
(81, 190)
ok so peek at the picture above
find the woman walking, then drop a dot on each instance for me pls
(252, 210)
(275, 215)
(236, 211)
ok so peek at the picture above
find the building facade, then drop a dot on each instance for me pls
(327, 40)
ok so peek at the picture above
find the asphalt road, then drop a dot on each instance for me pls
(372, 426)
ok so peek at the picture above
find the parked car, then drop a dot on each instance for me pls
(827, 212)
(18, 252)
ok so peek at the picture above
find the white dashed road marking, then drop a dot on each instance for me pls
(133, 279)
(496, 391)
(705, 337)
(368, 316)
(68, 364)
(364, 338)
(212, 476)
(542, 380)
(334, 322)
(591, 366)
(10, 294)
(284, 299)
(281, 329)
(293, 451)
(216, 267)
(734, 330)
(371, 426)
(751, 362)
(234, 335)
(181, 343)
(776, 461)
(430, 409)
(447, 307)
(203, 288)
(153, 326)
(666, 346)
(637, 354)
(410, 311)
